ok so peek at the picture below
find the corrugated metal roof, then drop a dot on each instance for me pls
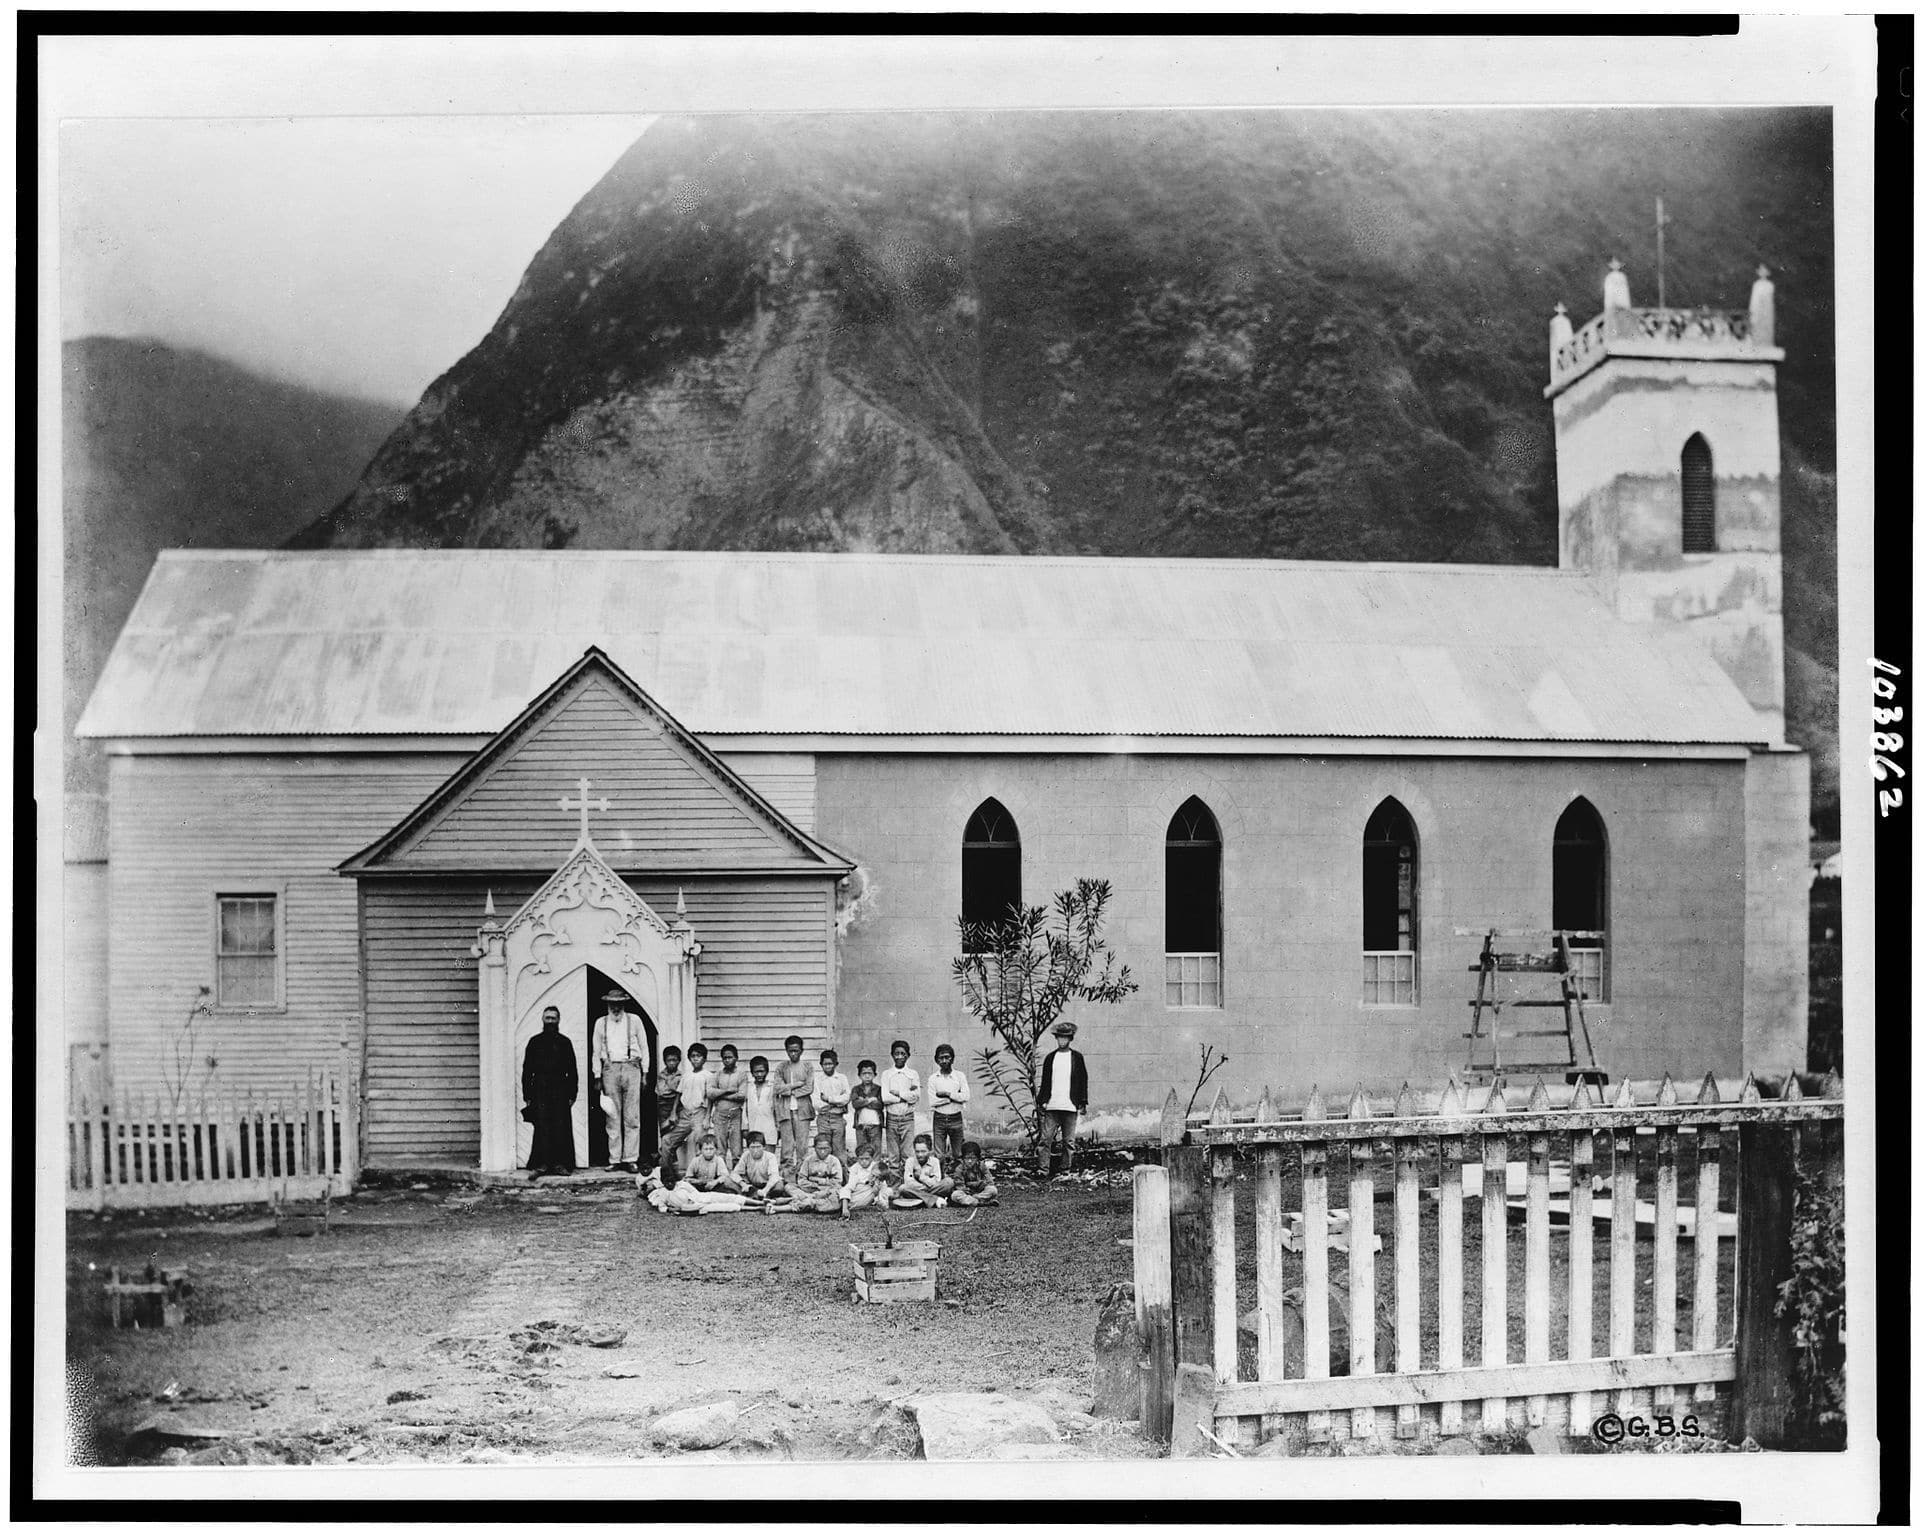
(405, 642)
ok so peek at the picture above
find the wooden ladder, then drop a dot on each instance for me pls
(1550, 1050)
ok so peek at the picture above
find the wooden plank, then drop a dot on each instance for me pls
(1666, 1250)
(1452, 1279)
(1406, 1268)
(1763, 1260)
(1493, 1271)
(1443, 1386)
(1539, 1275)
(1226, 1302)
(1620, 1301)
(1314, 1280)
(893, 1292)
(1706, 1250)
(1360, 1299)
(1269, 1225)
(1192, 1269)
(1153, 1297)
(1559, 1119)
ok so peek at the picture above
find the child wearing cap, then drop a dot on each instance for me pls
(1063, 1097)
(921, 1183)
(869, 1111)
(972, 1186)
(949, 1091)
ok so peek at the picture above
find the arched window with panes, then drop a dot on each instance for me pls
(989, 870)
(1698, 533)
(1390, 908)
(1580, 893)
(1193, 907)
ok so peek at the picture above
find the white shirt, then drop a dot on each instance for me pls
(693, 1090)
(901, 1090)
(949, 1091)
(1062, 1097)
(831, 1090)
(621, 1039)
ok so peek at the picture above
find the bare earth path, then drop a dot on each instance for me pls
(456, 1326)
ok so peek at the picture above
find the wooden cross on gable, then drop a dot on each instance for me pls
(597, 804)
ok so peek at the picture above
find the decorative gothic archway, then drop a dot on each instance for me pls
(584, 916)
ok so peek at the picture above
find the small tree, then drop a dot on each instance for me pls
(1017, 974)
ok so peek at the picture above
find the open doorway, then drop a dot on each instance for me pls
(598, 986)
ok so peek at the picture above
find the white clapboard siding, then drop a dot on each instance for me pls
(187, 827)
(668, 809)
(763, 973)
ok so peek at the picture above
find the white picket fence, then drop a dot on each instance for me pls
(150, 1150)
(1195, 1275)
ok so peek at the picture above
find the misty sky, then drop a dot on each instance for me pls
(364, 255)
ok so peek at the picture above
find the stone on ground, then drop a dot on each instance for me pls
(1192, 1410)
(1116, 1357)
(977, 1426)
(1544, 1440)
(698, 1426)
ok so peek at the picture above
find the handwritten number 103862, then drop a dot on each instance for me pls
(1886, 744)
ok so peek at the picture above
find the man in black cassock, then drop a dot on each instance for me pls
(550, 1081)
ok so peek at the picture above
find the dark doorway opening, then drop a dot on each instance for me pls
(598, 986)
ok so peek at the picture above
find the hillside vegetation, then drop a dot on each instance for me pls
(1298, 334)
(164, 447)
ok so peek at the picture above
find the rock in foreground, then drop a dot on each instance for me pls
(976, 1426)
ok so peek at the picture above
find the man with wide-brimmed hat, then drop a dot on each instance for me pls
(620, 1059)
(1063, 1097)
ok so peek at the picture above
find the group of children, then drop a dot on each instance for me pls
(733, 1124)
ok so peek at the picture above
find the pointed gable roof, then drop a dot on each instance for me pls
(674, 805)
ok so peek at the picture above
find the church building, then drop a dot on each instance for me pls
(387, 806)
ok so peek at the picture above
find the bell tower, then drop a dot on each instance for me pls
(1667, 446)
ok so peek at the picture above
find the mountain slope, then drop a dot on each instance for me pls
(1304, 334)
(166, 447)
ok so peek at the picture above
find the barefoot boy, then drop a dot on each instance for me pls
(922, 1184)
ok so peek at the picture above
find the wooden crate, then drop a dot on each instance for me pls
(889, 1274)
(155, 1299)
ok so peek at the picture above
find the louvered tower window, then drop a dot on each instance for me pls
(1696, 497)
(989, 869)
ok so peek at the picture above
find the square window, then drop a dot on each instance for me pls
(1193, 979)
(247, 950)
(1389, 977)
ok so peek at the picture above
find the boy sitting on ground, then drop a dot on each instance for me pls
(866, 1183)
(817, 1186)
(972, 1186)
(921, 1183)
(707, 1172)
(758, 1171)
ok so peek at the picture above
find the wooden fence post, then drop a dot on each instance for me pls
(1226, 1291)
(1763, 1342)
(1153, 1297)
(1191, 1246)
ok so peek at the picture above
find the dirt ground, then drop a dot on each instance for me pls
(456, 1325)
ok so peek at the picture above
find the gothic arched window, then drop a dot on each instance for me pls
(1193, 906)
(989, 865)
(1697, 532)
(1580, 893)
(1389, 907)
